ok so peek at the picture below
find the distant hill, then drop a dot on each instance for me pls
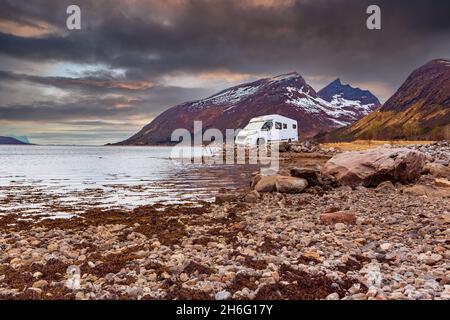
(288, 95)
(24, 139)
(10, 140)
(420, 109)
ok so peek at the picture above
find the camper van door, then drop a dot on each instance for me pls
(266, 131)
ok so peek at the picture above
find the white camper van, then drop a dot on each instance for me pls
(266, 129)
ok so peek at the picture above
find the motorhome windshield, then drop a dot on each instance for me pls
(255, 125)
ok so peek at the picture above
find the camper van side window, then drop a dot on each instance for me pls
(294, 126)
(284, 126)
(267, 126)
(278, 125)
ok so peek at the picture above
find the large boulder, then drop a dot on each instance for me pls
(282, 184)
(371, 167)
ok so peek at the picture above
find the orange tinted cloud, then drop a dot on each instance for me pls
(36, 29)
(127, 103)
(217, 79)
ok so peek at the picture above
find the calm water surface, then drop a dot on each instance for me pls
(62, 181)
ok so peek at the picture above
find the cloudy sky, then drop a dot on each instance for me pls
(133, 59)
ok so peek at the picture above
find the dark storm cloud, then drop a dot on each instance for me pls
(49, 110)
(95, 107)
(94, 84)
(314, 36)
(152, 39)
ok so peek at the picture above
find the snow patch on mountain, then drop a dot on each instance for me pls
(231, 96)
(301, 99)
(351, 105)
(445, 62)
(284, 77)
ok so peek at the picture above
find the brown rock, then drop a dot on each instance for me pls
(290, 184)
(40, 284)
(282, 184)
(227, 197)
(421, 190)
(252, 197)
(313, 176)
(437, 170)
(256, 178)
(265, 183)
(443, 183)
(314, 255)
(385, 187)
(338, 217)
(371, 167)
(52, 247)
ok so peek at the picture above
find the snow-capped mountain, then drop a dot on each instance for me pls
(288, 95)
(353, 102)
(420, 109)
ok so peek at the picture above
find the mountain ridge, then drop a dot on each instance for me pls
(419, 109)
(287, 94)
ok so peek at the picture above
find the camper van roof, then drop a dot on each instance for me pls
(271, 116)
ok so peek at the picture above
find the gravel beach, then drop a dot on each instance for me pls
(389, 242)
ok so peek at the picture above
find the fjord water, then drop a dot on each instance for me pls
(79, 167)
(64, 180)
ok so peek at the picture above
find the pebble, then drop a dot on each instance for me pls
(223, 295)
(386, 246)
(41, 284)
(156, 244)
(52, 247)
(79, 296)
(340, 226)
(333, 296)
(184, 277)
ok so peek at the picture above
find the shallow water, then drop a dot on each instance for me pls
(62, 181)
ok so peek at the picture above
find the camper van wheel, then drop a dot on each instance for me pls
(289, 140)
(260, 141)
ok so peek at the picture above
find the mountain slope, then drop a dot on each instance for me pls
(420, 109)
(288, 95)
(9, 140)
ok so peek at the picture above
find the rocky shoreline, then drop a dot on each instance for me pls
(327, 241)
